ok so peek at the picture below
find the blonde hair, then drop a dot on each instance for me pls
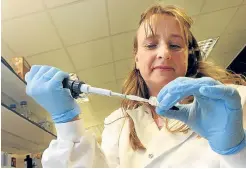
(134, 83)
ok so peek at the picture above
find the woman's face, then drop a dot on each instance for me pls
(161, 57)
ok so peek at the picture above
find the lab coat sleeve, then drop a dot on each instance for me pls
(113, 125)
(74, 147)
(238, 159)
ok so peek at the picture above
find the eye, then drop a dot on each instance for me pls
(175, 47)
(151, 46)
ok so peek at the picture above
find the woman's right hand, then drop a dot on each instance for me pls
(44, 85)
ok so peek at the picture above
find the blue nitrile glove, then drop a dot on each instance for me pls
(44, 85)
(215, 114)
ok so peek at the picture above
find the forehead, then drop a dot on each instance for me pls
(162, 25)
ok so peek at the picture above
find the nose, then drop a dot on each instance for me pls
(163, 52)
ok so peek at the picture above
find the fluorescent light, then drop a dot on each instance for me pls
(206, 46)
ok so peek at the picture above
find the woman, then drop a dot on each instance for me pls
(208, 132)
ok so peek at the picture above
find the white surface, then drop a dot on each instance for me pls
(57, 58)
(204, 30)
(98, 50)
(13, 8)
(40, 35)
(98, 75)
(211, 5)
(53, 3)
(192, 7)
(84, 23)
(20, 135)
(16, 89)
(124, 15)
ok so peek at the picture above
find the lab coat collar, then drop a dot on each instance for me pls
(150, 135)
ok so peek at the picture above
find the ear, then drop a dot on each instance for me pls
(136, 61)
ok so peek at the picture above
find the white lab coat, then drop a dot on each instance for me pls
(76, 148)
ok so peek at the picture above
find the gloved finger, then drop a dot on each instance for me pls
(180, 88)
(185, 85)
(168, 101)
(29, 75)
(173, 97)
(222, 92)
(58, 78)
(182, 114)
(50, 73)
(41, 71)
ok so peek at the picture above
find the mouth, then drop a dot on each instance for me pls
(165, 68)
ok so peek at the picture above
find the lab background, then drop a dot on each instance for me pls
(93, 40)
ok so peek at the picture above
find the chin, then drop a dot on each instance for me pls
(162, 81)
(156, 84)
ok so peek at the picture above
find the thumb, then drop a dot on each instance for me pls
(181, 114)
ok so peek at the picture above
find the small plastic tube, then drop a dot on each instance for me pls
(153, 101)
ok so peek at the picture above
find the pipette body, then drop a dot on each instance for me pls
(85, 88)
(78, 87)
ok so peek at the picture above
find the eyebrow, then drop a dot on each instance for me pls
(152, 37)
(177, 36)
(172, 36)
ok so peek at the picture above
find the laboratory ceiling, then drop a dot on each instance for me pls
(93, 38)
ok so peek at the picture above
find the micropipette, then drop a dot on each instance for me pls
(77, 87)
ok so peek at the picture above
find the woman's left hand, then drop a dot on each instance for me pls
(215, 114)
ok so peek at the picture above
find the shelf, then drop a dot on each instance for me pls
(20, 135)
(15, 87)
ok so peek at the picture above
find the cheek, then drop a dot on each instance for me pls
(145, 62)
(181, 63)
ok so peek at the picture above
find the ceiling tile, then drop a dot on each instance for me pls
(14, 8)
(101, 102)
(30, 35)
(91, 54)
(81, 22)
(87, 116)
(123, 45)
(192, 7)
(238, 21)
(110, 86)
(123, 67)
(6, 52)
(120, 83)
(56, 58)
(194, 18)
(230, 42)
(207, 25)
(98, 75)
(126, 13)
(212, 5)
(223, 59)
(54, 3)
